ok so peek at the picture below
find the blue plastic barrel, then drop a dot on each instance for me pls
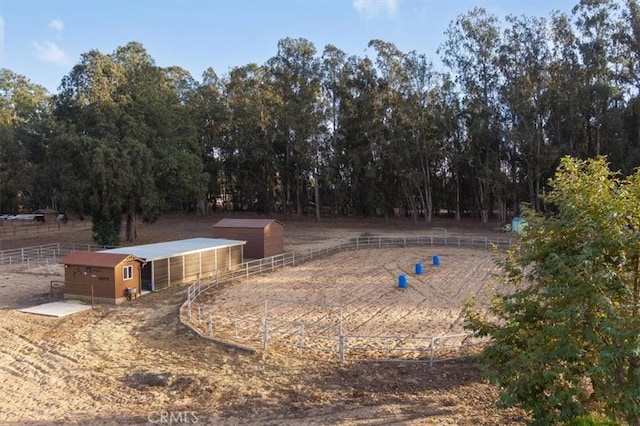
(436, 260)
(418, 268)
(402, 281)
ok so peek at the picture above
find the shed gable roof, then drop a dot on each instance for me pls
(245, 223)
(91, 258)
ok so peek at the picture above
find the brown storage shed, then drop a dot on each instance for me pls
(179, 262)
(103, 277)
(264, 237)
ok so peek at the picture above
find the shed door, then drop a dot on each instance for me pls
(145, 279)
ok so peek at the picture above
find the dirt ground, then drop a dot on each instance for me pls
(357, 292)
(136, 363)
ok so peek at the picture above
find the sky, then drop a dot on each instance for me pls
(44, 39)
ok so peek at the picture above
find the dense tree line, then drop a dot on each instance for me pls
(326, 132)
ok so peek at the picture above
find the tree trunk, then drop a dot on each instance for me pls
(457, 184)
(428, 197)
(316, 196)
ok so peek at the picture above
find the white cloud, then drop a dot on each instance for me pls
(57, 25)
(372, 8)
(49, 52)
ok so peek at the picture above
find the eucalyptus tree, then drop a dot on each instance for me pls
(451, 188)
(210, 110)
(158, 136)
(131, 140)
(360, 142)
(470, 51)
(565, 82)
(524, 64)
(296, 79)
(596, 23)
(629, 39)
(399, 184)
(426, 126)
(333, 71)
(87, 110)
(25, 112)
(247, 150)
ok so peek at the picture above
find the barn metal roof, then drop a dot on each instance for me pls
(150, 252)
(244, 223)
(90, 258)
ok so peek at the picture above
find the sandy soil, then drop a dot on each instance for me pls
(136, 363)
(357, 289)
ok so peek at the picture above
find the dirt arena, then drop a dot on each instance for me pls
(137, 364)
(359, 290)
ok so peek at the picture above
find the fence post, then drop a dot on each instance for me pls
(431, 352)
(189, 312)
(265, 333)
(341, 342)
(210, 325)
(199, 315)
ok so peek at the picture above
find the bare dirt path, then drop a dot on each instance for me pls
(130, 364)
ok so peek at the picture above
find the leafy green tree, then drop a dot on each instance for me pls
(132, 139)
(296, 80)
(524, 63)
(565, 338)
(471, 52)
(25, 117)
(247, 151)
(360, 143)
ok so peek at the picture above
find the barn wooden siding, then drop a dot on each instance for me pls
(101, 274)
(181, 269)
(264, 237)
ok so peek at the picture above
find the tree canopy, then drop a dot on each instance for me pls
(326, 132)
(566, 340)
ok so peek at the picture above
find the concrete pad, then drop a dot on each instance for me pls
(57, 309)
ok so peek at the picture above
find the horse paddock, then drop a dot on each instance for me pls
(357, 294)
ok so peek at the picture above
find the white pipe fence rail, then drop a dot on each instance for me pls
(250, 333)
(28, 257)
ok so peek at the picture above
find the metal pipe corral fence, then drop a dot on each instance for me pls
(328, 339)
